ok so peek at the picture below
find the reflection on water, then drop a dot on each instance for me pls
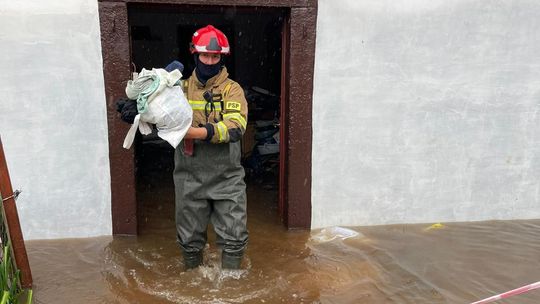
(450, 263)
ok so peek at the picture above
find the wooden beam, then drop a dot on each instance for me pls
(301, 69)
(12, 220)
(116, 70)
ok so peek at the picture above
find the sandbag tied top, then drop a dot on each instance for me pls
(160, 101)
(149, 83)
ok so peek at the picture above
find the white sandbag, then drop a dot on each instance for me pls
(168, 109)
(171, 113)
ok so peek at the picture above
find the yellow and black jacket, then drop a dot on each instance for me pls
(219, 105)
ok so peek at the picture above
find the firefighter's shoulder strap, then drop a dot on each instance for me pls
(227, 88)
(185, 85)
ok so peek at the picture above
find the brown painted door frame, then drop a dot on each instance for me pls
(298, 57)
(284, 106)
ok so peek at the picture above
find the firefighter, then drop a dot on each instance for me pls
(208, 175)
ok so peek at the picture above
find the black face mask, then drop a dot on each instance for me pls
(206, 71)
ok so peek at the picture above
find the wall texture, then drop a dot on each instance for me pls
(426, 111)
(423, 111)
(53, 117)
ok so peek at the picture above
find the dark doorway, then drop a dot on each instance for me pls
(296, 88)
(161, 34)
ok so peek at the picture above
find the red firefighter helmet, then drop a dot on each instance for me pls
(209, 40)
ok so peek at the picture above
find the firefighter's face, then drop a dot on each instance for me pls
(209, 59)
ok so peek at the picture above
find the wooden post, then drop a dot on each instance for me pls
(12, 220)
(283, 127)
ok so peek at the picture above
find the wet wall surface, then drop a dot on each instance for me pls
(443, 105)
(448, 263)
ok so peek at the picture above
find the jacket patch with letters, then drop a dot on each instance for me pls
(232, 106)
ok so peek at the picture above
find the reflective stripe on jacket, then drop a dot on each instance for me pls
(228, 111)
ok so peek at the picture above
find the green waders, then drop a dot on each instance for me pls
(210, 186)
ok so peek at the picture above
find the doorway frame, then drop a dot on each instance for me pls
(298, 60)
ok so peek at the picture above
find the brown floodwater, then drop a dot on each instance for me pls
(451, 263)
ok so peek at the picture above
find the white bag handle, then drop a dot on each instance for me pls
(130, 136)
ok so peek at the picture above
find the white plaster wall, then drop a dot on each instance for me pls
(53, 117)
(426, 111)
